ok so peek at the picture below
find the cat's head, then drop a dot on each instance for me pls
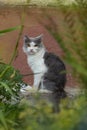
(32, 45)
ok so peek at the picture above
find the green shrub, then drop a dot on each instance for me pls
(10, 80)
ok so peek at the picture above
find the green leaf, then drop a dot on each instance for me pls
(2, 119)
(5, 70)
(9, 29)
(6, 87)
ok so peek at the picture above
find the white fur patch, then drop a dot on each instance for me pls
(36, 62)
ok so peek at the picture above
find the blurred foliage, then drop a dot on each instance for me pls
(71, 34)
(9, 82)
(82, 3)
(39, 116)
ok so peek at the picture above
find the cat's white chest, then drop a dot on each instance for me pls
(37, 64)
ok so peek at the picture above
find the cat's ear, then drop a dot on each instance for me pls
(40, 36)
(39, 39)
(26, 39)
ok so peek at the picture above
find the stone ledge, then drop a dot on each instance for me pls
(71, 93)
(33, 97)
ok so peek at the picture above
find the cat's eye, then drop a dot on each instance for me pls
(28, 45)
(35, 45)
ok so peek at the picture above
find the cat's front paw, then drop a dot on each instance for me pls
(26, 88)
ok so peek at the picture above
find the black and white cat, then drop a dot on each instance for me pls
(48, 69)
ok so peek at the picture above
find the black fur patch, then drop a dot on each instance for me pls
(55, 77)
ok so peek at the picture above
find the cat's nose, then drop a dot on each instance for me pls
(31, 50)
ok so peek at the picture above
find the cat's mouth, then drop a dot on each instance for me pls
(31, 52)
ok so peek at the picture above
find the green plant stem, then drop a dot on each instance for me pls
(6, 69)
(19, 36)
(17, 43)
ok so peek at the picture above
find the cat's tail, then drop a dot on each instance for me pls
(56, 97)
(60, 93)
